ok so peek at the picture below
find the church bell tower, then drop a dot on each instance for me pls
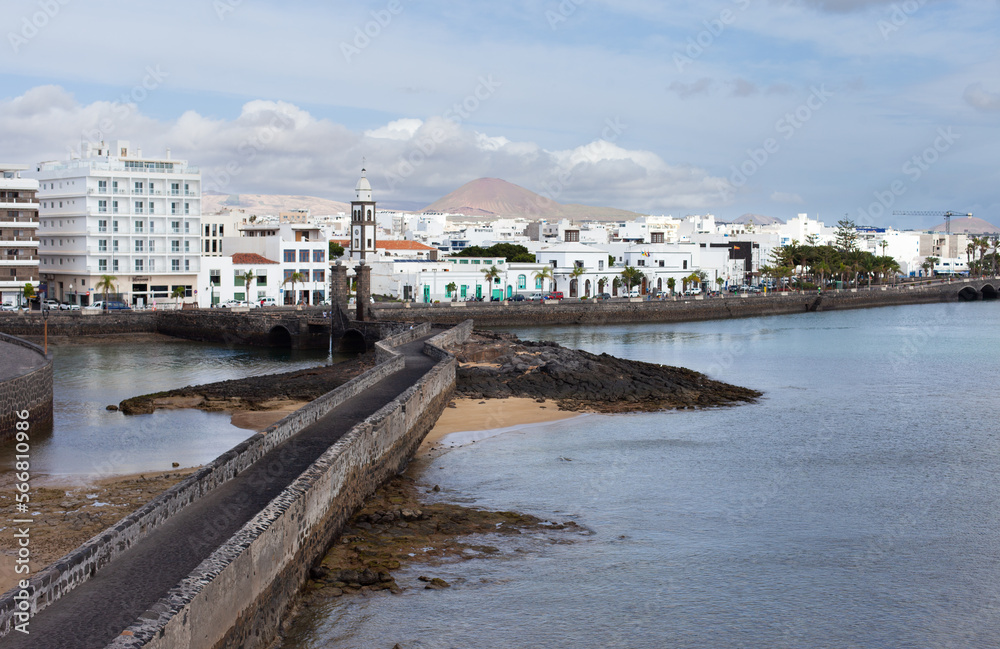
(363, 227)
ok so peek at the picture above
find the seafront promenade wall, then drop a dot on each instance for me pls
(81, 564)
(601, 312)
(31, 391)
(237, 597)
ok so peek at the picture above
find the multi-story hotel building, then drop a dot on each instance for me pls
(113, 212)
(18, 233)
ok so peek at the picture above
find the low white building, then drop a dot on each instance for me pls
(224, 279)
(302, 249)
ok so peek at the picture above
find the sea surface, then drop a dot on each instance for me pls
(86, 438)
(856, 505)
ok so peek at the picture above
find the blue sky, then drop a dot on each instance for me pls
(829, 107)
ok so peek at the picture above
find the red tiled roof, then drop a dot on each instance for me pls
(253, 258)
(389, 245)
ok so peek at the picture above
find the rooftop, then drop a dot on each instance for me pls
(252, 258)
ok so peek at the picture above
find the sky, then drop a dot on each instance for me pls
(775, 107)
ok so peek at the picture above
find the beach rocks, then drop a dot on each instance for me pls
(580, 380)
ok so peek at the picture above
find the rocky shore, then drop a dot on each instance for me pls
(499, 365)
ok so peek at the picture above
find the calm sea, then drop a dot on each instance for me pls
(855, 506)
(86, 438)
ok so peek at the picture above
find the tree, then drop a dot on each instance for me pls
(671, 284)
(492, 275)
(543, 274)
(512, 252)
(336, 250)
(847, 235)
(576, 273)
(106, 285)
(632, 276)
(293, 279)
(928, 265)
(28, 292)
(247, 278)
(452, 288)
(719, 282)
(178, 294)
(611, 261)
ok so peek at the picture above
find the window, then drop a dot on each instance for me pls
(214, 245)
(206, 246)
(641, 262)
(175, 227)
(538, 283)
(102, 186)
(138, 187)
(139, 246)
(175, 265)
(102, 206)
(215, 230)
(102, 245)
(152, 248)
(261, 277)
(215, 277)
(319, 275)
(175, 190)
(289, 256)
(238, 278)
(114, 207)
(661, 263)
(187, 246)
(139, 266)
(102, 265)
(600, 264)
(684, 267)
(207, 230)
(114, 265)
(288, 274)
(303, 256)
(114, 226)
(138, 207)
(187, 228)
(187, 208)
(522, 282)
(102, 226)
(114, 245)
(151, 210)
(175, 246)
(187, 265)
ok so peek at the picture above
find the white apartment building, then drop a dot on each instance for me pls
(18, 233)
(215, 227)
(113, 212)
(302, 249)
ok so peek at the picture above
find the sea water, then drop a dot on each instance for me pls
(855, 505)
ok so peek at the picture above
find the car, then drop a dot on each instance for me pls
(517, 298)
(534, 297)
(267, 301)
(554, 295)
(8, 306)
(693, 291)
(50, 304)
(603, 296)
(110, 305)
(229, 304)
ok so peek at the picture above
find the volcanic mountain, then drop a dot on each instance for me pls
(757, 219)
(968, 225)
(493, 198)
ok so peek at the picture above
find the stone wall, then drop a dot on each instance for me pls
(239, 595)
(78, 323)
(31, 392)
(81, 564)
(599, 312)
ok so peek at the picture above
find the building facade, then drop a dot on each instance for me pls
(18, 233)
(111, 212)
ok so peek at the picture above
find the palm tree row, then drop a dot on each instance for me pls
(819, 263)
(985, 263)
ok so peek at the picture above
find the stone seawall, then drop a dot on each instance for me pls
(614, 312)
(31, 392)
(81, 564)
(78, 323)
(238, 596)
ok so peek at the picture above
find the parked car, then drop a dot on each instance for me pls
(603, 296)
(8, 306)
(229, 304)
(517, 298)
(268, 301)
(535, 297)
(693, 291)
(66, 306)
(50, 304)
(554, 295)
(110, 305)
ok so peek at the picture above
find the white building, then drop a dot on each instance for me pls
(302, 249)
(224, 279)
(113, 212)
(218, 226)
(18, 233)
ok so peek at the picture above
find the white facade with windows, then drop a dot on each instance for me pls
(113, 212)
(301, 249)
(18, 233)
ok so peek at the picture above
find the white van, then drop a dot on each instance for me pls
(267, 301)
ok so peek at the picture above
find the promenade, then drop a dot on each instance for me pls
(95, 613)
(17, 361)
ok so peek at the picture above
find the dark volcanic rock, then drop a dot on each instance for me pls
(581, 380)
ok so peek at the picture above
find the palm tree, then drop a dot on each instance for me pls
(928, 265)
(247, 278)
(292, 279)
(671, 284)
(452, 288)
(576, 273)
(601, 283)
(632, 276)
(106, 285)
(543, 274)
(984, 245)
(491, 274)
(177, 294)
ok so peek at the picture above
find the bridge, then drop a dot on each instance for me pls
(217, 560)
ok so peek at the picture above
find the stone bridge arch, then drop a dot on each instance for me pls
(353, 341)
(989, 292)
(279, 336)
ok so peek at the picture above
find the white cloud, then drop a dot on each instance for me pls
(785, 197)
(279, 148)
(982, 99)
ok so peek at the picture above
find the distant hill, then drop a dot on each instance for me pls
(968, 225)
(271, 204)
(494, 198)
(758, 219)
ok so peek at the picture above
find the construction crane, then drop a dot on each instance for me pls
(947, 216)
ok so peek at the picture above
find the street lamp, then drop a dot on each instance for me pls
(71, 293)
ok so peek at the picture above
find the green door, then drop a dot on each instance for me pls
(427, 293)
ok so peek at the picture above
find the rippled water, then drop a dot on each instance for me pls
(88, 439)
(855, 506)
